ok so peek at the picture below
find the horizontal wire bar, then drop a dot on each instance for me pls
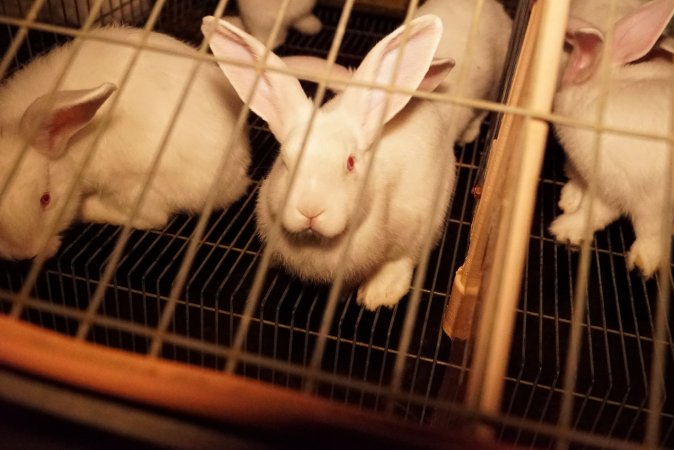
(290, 368)
(293, 369)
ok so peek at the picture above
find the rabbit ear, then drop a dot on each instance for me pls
(317, 67)
(638, 32)
(365, 105)
(51, 120)
(278, 97)
(587, 43)
(437, 72)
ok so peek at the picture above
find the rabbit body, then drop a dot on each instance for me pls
(388, 222)
(258, 17)
(631, 171)
(112, 181)
(486, 64)
(323, 209)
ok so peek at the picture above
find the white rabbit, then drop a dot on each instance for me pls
(60, 135)
(321, 209)
(258, 18)
(75, 12)
(630, 176)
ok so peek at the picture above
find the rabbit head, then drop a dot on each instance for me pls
(328, 169)
(635, 35)
(36, 189)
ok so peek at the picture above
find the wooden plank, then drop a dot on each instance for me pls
(247, 405)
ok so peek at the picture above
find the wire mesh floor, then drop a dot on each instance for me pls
(362, 346)
(613, 380)
(612, 384)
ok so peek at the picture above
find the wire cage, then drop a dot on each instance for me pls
(527, 364)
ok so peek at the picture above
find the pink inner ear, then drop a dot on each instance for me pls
(64, 121)
(637, 33)
(584, 57)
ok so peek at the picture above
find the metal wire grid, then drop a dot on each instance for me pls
(73, 12)
(613, 383)
(361, 347)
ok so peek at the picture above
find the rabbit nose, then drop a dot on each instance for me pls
(310, 213)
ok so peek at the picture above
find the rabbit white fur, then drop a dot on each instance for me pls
(596, 12)
(61, 134)
(322, 209)
(488, 57)
(75, 12)
(631, 171)
(258, 18)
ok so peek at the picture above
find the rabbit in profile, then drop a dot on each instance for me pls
(58, 131)
(323, 204)
(630, 172)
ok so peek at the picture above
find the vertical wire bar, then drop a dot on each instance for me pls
(125, 233)
(38, 262)
(254, 294)
(580, 288)
(486, 383)
(453, 379)
(333, 297)
(197, 234)
(18, 40)
(530, 18)
(658, 366)
(415, 298)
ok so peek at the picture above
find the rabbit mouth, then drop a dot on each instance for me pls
(311, 237)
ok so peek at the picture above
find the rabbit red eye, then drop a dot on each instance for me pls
(350, 163)
(45, 199)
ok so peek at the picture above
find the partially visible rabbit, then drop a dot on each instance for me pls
(484, 68)
(595, 12)
(60, 134)
(486, 64)
(258, 17)
(631, 171)
(75, 12)
(322, 208)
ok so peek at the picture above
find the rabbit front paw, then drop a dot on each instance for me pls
(387, 286)
(472, 131)
(569, 229)
(571, 197)
(308, 24)
(645, 254)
